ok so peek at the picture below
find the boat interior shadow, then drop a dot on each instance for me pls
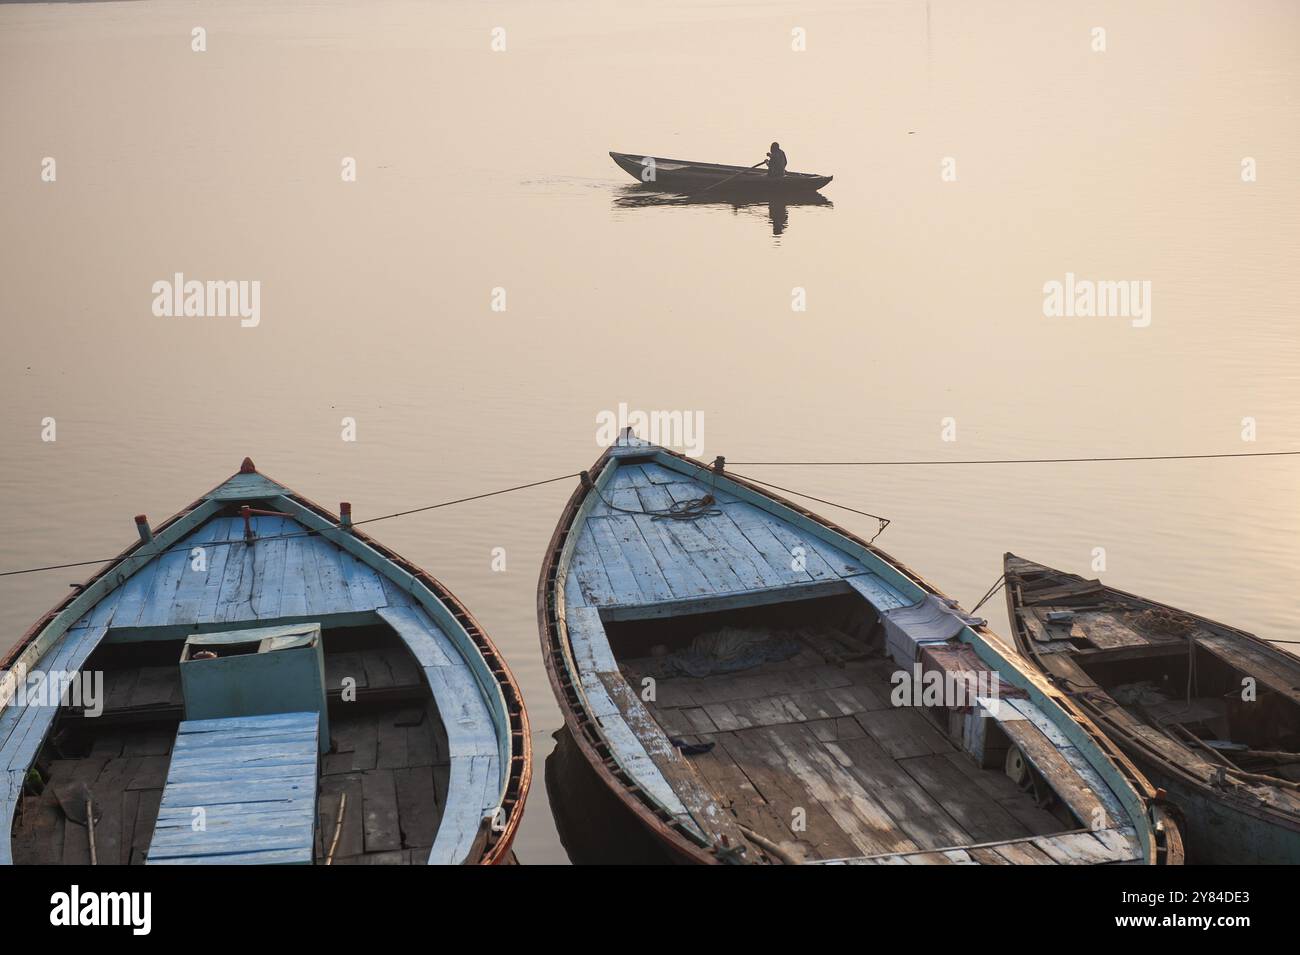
(775, 208)
(588, 818)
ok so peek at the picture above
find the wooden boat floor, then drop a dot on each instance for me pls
(390, 759)
(816, 739)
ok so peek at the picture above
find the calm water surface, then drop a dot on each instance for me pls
(480, 170)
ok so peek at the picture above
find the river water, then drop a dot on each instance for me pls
(978, 154)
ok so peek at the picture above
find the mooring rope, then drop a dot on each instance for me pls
(882, 521)
(304, 533)
(1086, 460)
(689, 510)
(997, 585)
(697, 508)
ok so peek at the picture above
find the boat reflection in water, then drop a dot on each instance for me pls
(592, 826)
(776, 207)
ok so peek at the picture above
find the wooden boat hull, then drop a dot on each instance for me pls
(1222, 824)
(679, 175)
(419, 705)
(598, 634)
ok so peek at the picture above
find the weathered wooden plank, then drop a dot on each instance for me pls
(153, 685)
(335, 597)
(135, 594)
(903, 732)
(789, 568)
(172, 566)
(427, 643)
(235, 601)
(855, 811)
(731, 600)
(1078, 848)
(694, 794)
(470, 792)
(365, 591)
(976, 812)
(876, 592)
(379, 811)
(682, 576)
(711, 560)
(999, 787)
(923, 818)
(470, 730)
(650, 577)
(249, 782)
(205, 553)
(756, 523)
(392, 752)
(1059, 774)
(300, 580)
(589, 571)
(226, 532)
(270, 557)
(417, 806)
(591, 650)
(787, 799)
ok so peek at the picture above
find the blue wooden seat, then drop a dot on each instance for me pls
(240, 790)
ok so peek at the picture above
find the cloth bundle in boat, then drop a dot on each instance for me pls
(728, 650)
(932, 620)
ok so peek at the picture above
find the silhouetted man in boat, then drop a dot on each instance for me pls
(776, 161)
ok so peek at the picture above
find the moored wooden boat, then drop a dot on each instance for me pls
(730, 666)
(1209, 713)
(265, 667)
(687, 176)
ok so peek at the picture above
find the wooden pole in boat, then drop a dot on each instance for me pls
(338, 829)
(728, 179)
(90, 828)
(770, 847)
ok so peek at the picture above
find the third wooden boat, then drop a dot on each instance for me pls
(1209, 713)
(729, 664)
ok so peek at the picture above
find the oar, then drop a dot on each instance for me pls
(728, 179)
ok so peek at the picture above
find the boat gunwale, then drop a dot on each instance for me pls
(1026, 645)
(519, 776)
(670, 834)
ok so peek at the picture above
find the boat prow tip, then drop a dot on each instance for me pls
(247, 466)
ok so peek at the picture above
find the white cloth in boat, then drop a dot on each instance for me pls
(934, 619)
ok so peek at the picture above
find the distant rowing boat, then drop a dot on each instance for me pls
(270, 669)
(692, 177)
(727, 662)
(1209, 713)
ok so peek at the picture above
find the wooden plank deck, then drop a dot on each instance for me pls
(128, 789)
(1105, 846)
(625, 559)
(284, 573)
(815, 759)
(241, 791)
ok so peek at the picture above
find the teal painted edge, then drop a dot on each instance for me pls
(589, 502)
(123, 569)
(1075, 733)
(429, 602)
